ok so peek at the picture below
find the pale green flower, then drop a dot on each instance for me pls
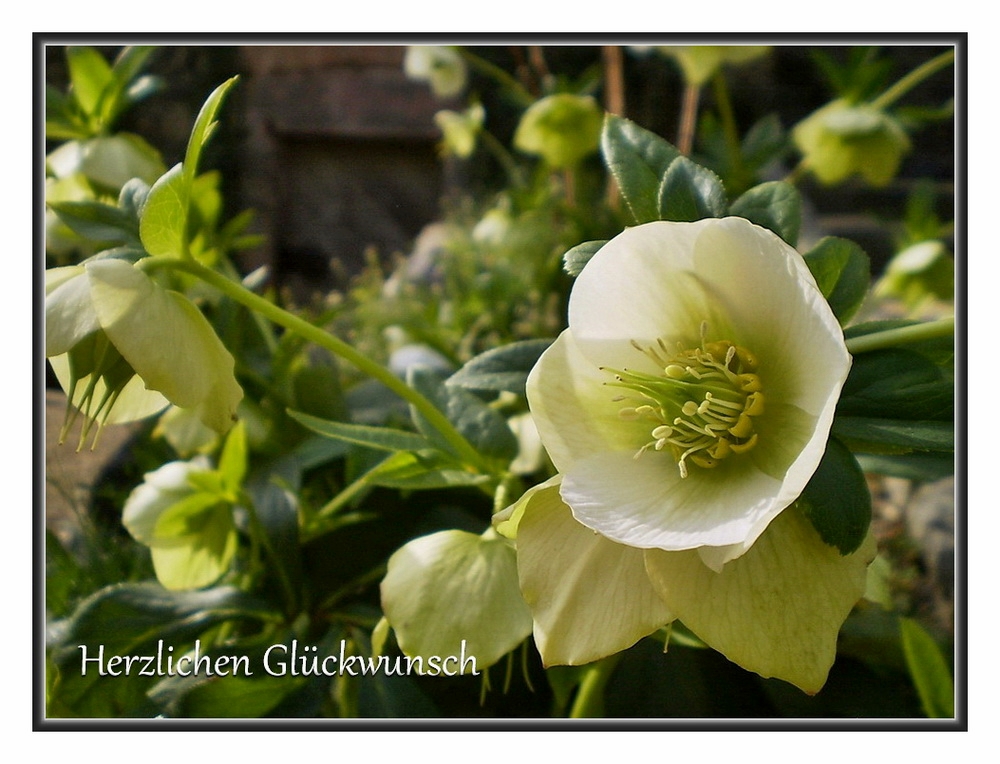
(189, 532)
(776, 610)
(842, 139)
(442, 67)
(460, 130)
(454, 586)
(699, 62)
(561, 128)
(123, 347)
(685, 408)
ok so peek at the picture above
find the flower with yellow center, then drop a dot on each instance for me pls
(686, 407)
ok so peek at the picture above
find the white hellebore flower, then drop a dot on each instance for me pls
(124, 347)
(439, 65)
(685, 408)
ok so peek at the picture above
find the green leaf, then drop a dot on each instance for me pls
(836, 499)
(484, 428)
(842, 273)
(276, 509)
(204, 126)
(163, 224)
(929, 670)
(90, 75)
(940, 350)
(897, 383)
(422, 471)
(637, 159)
(690, 192)
(233, 460)
(504, 368)
(894, 436)
(579, 256)
(97, 221)
(917, 466)
(775, 205)
(228, 696)
(123, 617)
(381, 438)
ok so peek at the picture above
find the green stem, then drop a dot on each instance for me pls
(503, 156)
(913, 79)
(730, 130)
(888, 338)
(335, 345)
(589, 701)
(502, 77)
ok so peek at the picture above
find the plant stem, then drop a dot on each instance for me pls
(589, 701)
(731, 132)
(913, 79)
(689, 119)
(888, 338)
(328, 341)
(499, 75)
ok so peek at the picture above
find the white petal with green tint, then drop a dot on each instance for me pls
(159, 490)
(454, 586)
(589, 596)
(167, 340)
(69, 312)
(674, 286)
(776, 610)
(197, 559)
(573, 408)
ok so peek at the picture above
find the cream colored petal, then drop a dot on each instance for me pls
(452, 587)
(69, 313)
(776, 310)
(167, 340)
(643, 502)
(159, 490)
(505, 521)
(200, 559)
(574, 408)
(640, 286)
(589, 596)
(776, 610)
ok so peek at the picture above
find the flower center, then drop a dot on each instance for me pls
(702, 405)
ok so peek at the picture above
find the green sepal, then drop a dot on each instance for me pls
(579, 256)
(843, 274)
(690, 192)
(502, 369)
(837, 501)
(637, 159)
(775, 205)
